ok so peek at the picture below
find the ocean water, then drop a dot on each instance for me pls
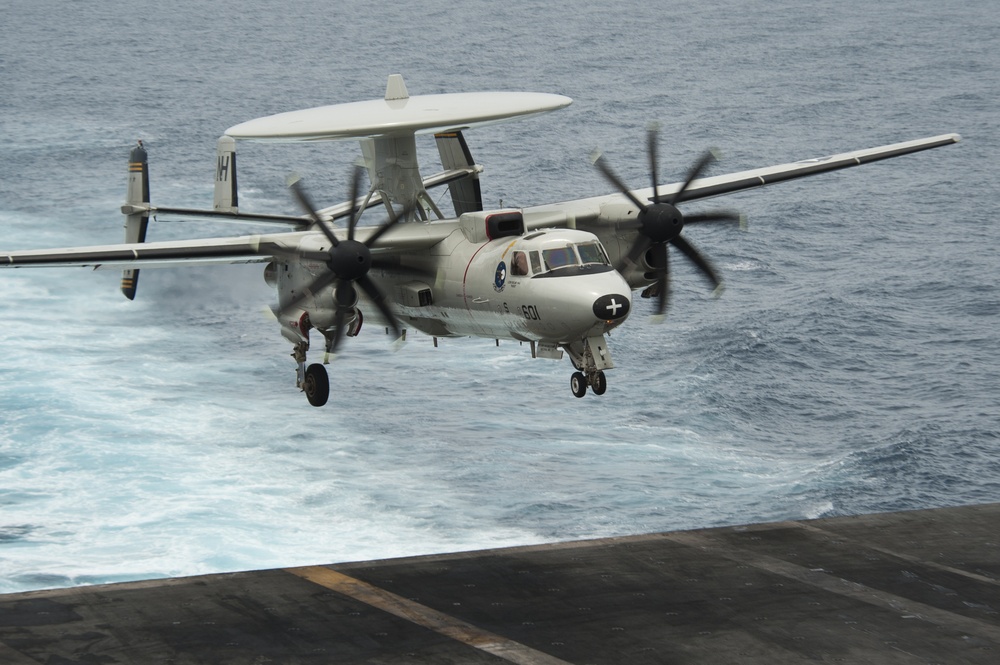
(852, 365)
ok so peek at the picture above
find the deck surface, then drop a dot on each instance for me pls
(912, 587)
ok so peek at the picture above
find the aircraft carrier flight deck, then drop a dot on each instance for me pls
(908, 587)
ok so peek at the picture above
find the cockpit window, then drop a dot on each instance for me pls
(559, 257)
(519, 264)
(592, 252)
(536, 263)
(588, 252)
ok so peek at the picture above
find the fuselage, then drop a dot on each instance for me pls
(555, 286)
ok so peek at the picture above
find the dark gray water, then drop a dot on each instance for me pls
(851, 366)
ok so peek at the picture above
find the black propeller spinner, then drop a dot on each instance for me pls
(660, 223)
(348, 261)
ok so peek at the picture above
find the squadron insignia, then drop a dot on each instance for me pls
(501, 277)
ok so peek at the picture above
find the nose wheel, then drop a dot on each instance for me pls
(597, 381)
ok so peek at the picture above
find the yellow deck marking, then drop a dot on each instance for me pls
(422, 615)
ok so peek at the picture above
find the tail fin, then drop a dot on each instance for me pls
(136, 211)
(466, 195)
(226, 199)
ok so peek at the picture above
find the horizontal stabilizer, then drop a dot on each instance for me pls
(329, 214)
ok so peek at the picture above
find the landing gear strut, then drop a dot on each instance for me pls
(313, 380)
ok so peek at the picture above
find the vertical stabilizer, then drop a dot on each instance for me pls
(136, 211)
(466, 194)
(226, 199)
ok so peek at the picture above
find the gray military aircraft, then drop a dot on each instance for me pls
(557, 276)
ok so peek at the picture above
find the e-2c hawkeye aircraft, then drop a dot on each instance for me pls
(559, 277)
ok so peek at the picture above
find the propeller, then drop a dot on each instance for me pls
(348, 261)
(660, 223)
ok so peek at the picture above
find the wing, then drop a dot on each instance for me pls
(246, 249)
(736, 182)
(584, 211)
(242, 249)
(261, 248)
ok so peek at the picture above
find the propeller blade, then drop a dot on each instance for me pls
(295, 253)
(638, 248)
(355, 216)
(338, 329)
(652, 138)
(306, 203)
(313, 256)
(345, 296)
(630, 225)
(394, 266)
(613, 178)
(379, 299)
(693, 175)
(715, 216)
(434, 278)
(393, 220)
(689, 251)
(661, 262)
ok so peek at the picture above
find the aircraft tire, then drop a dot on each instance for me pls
(600, 384)
(317, 385)
(578, 384)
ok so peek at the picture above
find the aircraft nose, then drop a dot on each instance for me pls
(612, 307)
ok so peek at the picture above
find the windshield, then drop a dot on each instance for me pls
(592, 252)
(574, 255)
(559, 257)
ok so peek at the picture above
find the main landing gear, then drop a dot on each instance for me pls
(316, 385)
(313, 380)
(590, 357)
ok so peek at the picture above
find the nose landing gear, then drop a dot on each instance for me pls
(596, 380)
(590, 357)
